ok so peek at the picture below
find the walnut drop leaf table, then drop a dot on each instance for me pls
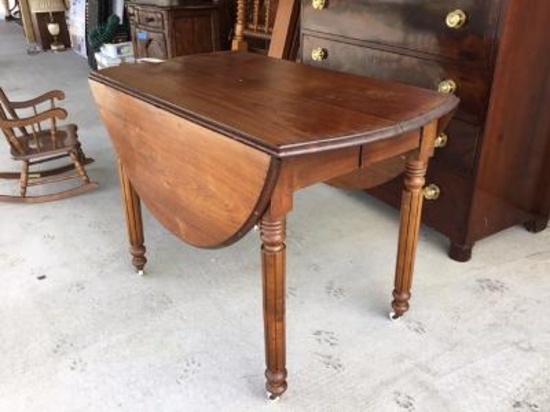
(214, 144)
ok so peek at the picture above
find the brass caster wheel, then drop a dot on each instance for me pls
(141, 272)
(271, 397)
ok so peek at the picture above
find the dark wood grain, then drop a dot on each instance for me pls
(170, 31)
(211, 215)
(492, 170)
(412, 24)
(216, 143)
(514, 168)
(302, 108)
(473, 86)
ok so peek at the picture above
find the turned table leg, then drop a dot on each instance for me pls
(411, 210)
(132, 207)
(272, 234)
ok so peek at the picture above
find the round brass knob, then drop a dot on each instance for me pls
(431, 192)
(456, 19)
(447, 86)
(319, 4)
(441, 140)
(318, 54)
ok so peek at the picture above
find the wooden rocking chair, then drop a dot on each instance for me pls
(33, 145)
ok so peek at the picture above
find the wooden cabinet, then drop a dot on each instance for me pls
(164, 32)
(40, 27)
(494, 169)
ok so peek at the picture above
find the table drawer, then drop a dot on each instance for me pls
(472, 85)
(412, 24)
(151, 18)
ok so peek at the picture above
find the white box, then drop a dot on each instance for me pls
(117, 49)
(106, 61)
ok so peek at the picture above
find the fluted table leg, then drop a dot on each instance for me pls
(272, 234)
(411, 211)
(132, 207)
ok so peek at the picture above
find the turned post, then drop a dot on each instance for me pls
(24, 179)
(272, 235)
(132, 209)
(78, 166)
(239, 43)
(411, 207)
(411, 213)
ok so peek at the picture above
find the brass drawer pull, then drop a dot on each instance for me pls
(318, 54)
(456, 19)
(319, 4)
(431, 192)
(441, 140)
(448, 86)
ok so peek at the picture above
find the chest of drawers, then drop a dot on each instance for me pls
(164, 32)
(492, 168)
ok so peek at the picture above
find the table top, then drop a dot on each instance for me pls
(280, 107)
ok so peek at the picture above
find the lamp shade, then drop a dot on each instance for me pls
(46, 6)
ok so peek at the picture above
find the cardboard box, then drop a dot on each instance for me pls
(104, 61)
(116, 50)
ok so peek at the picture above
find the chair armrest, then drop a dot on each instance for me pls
(27, 121)
(53, 94)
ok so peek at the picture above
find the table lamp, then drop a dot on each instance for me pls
(50, 6)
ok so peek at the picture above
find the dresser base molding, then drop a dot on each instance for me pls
(460, 253)
(537, 225)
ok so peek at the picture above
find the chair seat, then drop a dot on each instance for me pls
(32, 146)
(65, 140)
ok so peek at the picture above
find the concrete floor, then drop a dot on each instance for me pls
(80, 332)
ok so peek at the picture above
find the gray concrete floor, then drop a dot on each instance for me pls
(93, 336)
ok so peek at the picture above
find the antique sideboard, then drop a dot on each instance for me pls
(492, 166)
(174, 28)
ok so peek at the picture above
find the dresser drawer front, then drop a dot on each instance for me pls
(460, 151)
(150, 44)
(473, 85)
(451, 209)
(448, 213)
(411, 24)
(151, 19)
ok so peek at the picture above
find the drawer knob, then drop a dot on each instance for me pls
(318, 54)
(456, 19)
(441, 140)
(319, 4)
(431, 192)
(447, 86)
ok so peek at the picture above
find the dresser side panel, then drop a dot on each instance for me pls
(516, 146)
